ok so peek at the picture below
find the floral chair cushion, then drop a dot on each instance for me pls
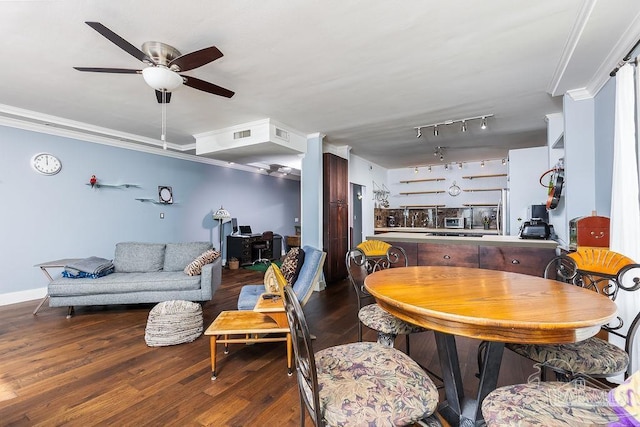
(376, 318)
(369, 384)
(592, 356)
(547, 404)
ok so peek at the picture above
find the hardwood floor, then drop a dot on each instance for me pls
(95, 368)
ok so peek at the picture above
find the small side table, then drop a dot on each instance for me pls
(268, 317)
(59, 263)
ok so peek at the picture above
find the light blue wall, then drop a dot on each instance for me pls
(604, 132)
(580, 160)
(45, 218)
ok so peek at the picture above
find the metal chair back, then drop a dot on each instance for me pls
(305, 362)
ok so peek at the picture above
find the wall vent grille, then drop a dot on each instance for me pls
(282, 134)
(242, 134)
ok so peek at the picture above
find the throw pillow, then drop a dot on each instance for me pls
(274, 281)
(178, 255)
(292, 264)
(195, 268)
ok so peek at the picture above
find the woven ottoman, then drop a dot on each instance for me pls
(173, 322)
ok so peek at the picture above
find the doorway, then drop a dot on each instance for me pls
(357, 192)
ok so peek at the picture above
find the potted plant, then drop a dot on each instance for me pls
(234, 263)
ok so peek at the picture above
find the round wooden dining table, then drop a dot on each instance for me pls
(489, 305)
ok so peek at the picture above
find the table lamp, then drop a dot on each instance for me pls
(221, 215)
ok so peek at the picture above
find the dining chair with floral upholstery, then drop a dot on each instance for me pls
(361, 383)
(366, 258)
(608, 273)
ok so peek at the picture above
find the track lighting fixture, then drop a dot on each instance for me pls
(429, 168)
(415, 170)
(460, 165)
(482, 164)
(463, 124)
(504, 162)
(441, 157)
(446, 166)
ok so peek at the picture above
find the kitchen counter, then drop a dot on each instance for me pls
(435, 231)
(479, 240)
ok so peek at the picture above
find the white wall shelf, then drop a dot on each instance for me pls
(97, 185)
(410, 181)
(484, 176)
(408, 193)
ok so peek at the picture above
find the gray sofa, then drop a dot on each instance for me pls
(144, 273)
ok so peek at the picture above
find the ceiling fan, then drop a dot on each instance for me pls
(164, 62)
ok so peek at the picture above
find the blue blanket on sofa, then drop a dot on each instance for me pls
(92, 267)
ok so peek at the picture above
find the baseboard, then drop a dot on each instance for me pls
(22, 296)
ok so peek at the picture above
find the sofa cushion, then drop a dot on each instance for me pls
(178, 255)
(118, 283)
(195, 267)
(292, 264)
(137, 257)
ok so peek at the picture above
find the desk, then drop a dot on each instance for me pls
(59, 263)
(240, 247)
(490, 305)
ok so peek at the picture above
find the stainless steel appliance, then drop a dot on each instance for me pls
(454, 222)
(391, 221)
(535, 229)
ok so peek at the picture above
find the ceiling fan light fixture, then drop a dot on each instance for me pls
(162, 79)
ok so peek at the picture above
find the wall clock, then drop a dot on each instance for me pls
(46, 164)
(165, 195)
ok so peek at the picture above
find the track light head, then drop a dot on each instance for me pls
(441, 157)
(463, 128)
(460, 165)
(435, 130)
(483, 125)
(482, 164)
(419, 132)
(429, 168)
(504, 162)
(446, 166)
(415, 170)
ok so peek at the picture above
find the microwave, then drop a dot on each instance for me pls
(457, 222)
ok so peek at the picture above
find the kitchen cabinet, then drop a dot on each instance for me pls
(504, 253)
(335, 216)
(448, 255)
(530, 261)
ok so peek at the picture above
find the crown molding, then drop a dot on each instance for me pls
(51, 125)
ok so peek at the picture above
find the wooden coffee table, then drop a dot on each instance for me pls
(243, 327)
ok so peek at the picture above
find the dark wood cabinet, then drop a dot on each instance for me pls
(335, 216)
(448, 255)
(516, 259)
(530, 261)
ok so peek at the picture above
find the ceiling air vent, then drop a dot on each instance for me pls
(282, 134)
(242, 134)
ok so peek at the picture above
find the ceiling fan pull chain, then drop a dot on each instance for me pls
(164, 120)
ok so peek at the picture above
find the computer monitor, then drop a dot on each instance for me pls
(245, 229)
(234, 225)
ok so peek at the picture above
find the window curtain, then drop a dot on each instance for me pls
(625, 201)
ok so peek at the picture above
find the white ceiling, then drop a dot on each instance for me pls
(363, 72)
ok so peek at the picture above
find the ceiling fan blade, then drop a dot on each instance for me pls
(196, 59)
(159, 97)
(109, 70)
(207, 87)
(120, 42)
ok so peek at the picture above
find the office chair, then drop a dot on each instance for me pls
(262, 245)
